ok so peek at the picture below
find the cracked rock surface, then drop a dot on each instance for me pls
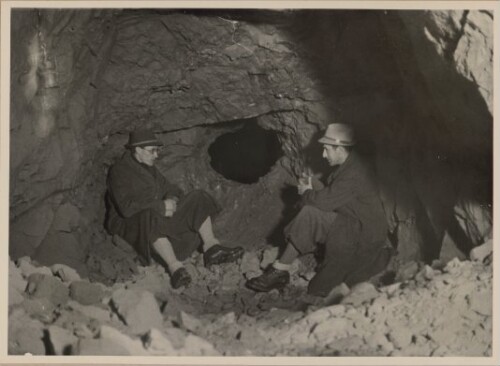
(195, 75)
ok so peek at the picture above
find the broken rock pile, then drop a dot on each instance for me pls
(55, 314)
(438, 310)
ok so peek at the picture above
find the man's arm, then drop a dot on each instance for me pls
(337, 194)
(172, 190)
(130, 198)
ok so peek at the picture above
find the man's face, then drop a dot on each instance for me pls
(335, 155)
(147, 155)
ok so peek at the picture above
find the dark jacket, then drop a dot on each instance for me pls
(133, 187)
(351, 191)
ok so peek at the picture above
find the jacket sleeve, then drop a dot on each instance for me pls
(335, 195)
(171, 190)
(130, 198)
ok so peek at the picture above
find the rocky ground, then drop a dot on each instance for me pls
(127, 309)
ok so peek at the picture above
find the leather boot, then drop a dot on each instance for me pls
(180, 278)
(272, 278)
(218, 254)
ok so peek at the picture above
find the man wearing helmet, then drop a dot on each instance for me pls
(346, 216)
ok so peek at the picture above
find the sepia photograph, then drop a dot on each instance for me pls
(273, 180)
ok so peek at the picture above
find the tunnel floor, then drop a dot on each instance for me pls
(217, 315)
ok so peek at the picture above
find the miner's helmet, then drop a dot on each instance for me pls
(338, 134)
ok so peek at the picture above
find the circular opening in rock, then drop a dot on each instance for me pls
(247, 154)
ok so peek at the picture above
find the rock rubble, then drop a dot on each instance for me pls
(428, 312)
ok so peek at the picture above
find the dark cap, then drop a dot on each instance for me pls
(141, 138)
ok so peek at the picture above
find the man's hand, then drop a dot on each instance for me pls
(170, 207)
(316, 183)
(304, 184)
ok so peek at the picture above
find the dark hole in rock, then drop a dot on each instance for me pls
(247, 154)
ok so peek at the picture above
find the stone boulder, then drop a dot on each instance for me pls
(100, 347)
(250, 265)
(15, 296)
(86, 293)
(40, 308)
(360, 293)
(25, 335)
(65, 273)
(42, 286)
(482, 251)
(101, 314)
(189, 322)
(138, 309)
(156, 343)
(61, 340)
(196, 346)
(17, 285)
(27, 267)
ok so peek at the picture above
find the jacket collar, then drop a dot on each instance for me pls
(136, 164)
(345, 165)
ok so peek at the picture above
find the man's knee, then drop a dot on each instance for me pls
(147, 212)
(198, 194)
(311, 215)
(308, 211)
(201, 199)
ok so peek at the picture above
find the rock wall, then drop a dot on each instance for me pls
(55, 56)
(188, 76)
(446, 57)
(88, 77)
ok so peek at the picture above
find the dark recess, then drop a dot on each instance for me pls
(247, 154)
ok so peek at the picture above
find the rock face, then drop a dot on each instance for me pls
(422, 107)
(448, 63)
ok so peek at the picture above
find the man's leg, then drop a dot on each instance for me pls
(214, 253)
(340, 256)
(288, 256)
(163, 247)
(192, 220)
(179, 275)
(146, 230)
(207, 234)
(277, 275)
(309, 227)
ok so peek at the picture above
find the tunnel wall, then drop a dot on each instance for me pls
(452, 126)
(187, 75)
(51, 148)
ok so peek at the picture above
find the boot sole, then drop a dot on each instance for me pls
(229, 259)
(184, 282)
(254, 287)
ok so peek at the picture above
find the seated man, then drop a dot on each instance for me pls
(150, 213)
(346, 215)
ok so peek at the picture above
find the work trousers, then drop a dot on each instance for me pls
(309, 227)
(346, 259)
(144, 228)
